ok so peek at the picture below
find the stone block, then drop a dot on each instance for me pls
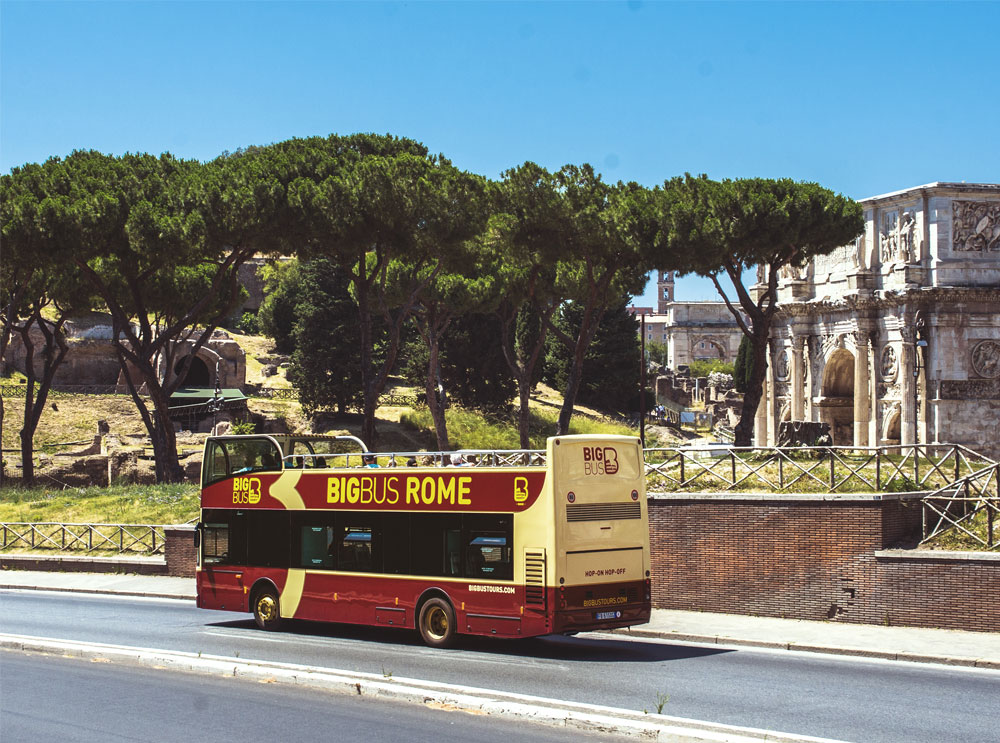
(803, 433)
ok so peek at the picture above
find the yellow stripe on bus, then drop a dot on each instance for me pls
(284, 490)
(292, 594)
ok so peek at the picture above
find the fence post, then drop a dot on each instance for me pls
(958, 468)
(989, 526)
(781, 470)
(833, 472)
(732, 457)
(916, 465)
(878, 468)
(681, 455)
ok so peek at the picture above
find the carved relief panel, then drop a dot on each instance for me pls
(782, 365)
(985, 359)
(975, 226)
(900, 236)
(888, 364)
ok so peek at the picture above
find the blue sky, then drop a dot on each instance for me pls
(863, 98)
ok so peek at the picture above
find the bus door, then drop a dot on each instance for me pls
(223, 557)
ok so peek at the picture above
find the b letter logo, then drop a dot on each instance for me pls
(520, 490)
(610, 461)
(600, 460)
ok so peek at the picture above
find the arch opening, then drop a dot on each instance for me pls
(198, 374)
(837, 406)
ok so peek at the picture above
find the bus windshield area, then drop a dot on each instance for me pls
(238, 456)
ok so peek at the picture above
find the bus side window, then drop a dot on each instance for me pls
(488, 547)
(215, 544)
(453, 552)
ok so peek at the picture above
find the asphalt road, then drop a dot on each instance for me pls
(843, 698)
(68, 700)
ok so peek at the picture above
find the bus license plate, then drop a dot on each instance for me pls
(608, 615)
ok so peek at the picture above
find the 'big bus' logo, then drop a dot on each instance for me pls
(600, 460)
(246, 490)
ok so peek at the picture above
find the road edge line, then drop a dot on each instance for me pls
(607, 720)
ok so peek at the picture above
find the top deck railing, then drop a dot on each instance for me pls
(463, 458)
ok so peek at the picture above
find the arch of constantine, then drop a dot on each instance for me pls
(896, 338)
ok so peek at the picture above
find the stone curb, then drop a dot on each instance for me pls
(589, 718)
(101, 592)
(946, 660)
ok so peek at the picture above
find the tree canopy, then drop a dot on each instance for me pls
(715, 228)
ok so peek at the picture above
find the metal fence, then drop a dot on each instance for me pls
(962, 505)
(143, 539)
(811, 468)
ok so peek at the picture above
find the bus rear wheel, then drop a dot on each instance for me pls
(437, 623)
(266, 609)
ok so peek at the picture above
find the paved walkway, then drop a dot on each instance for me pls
(953, 647)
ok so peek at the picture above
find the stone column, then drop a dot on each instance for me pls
(772, 396)
(796, 378)
(862, 399)
(907, 386)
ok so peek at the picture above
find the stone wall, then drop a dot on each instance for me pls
(814, 557)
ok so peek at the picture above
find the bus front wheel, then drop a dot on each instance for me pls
(266, 610)
(437, 623)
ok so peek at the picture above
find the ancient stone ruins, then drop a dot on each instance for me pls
(896, 338)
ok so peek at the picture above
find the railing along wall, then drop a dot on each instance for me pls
(143, 539)
(806, 469)
(962, 504)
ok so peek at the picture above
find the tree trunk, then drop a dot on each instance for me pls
(743, 433)
(26, 435)
(524, 410)
(168, 466)
(158, 424)
(368, 432)
(435, 400)
(3, 462)
(588, 327)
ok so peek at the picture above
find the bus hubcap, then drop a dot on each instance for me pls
(266, 608)
(438, 622)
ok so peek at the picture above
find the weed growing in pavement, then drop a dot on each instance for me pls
(661, 700)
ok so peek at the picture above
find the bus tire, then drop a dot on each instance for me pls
(266, 608)
(437, 623)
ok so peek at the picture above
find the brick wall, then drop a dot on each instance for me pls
(811, 557)
(180, 551)
(951, 590)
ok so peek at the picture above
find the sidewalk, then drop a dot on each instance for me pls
(951, 647)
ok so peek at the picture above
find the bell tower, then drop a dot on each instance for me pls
(665, 291)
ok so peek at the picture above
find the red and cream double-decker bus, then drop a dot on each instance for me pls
(506, 544)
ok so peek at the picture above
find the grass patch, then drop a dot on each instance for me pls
(118, 504)
(956, 539)
(469, 429)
